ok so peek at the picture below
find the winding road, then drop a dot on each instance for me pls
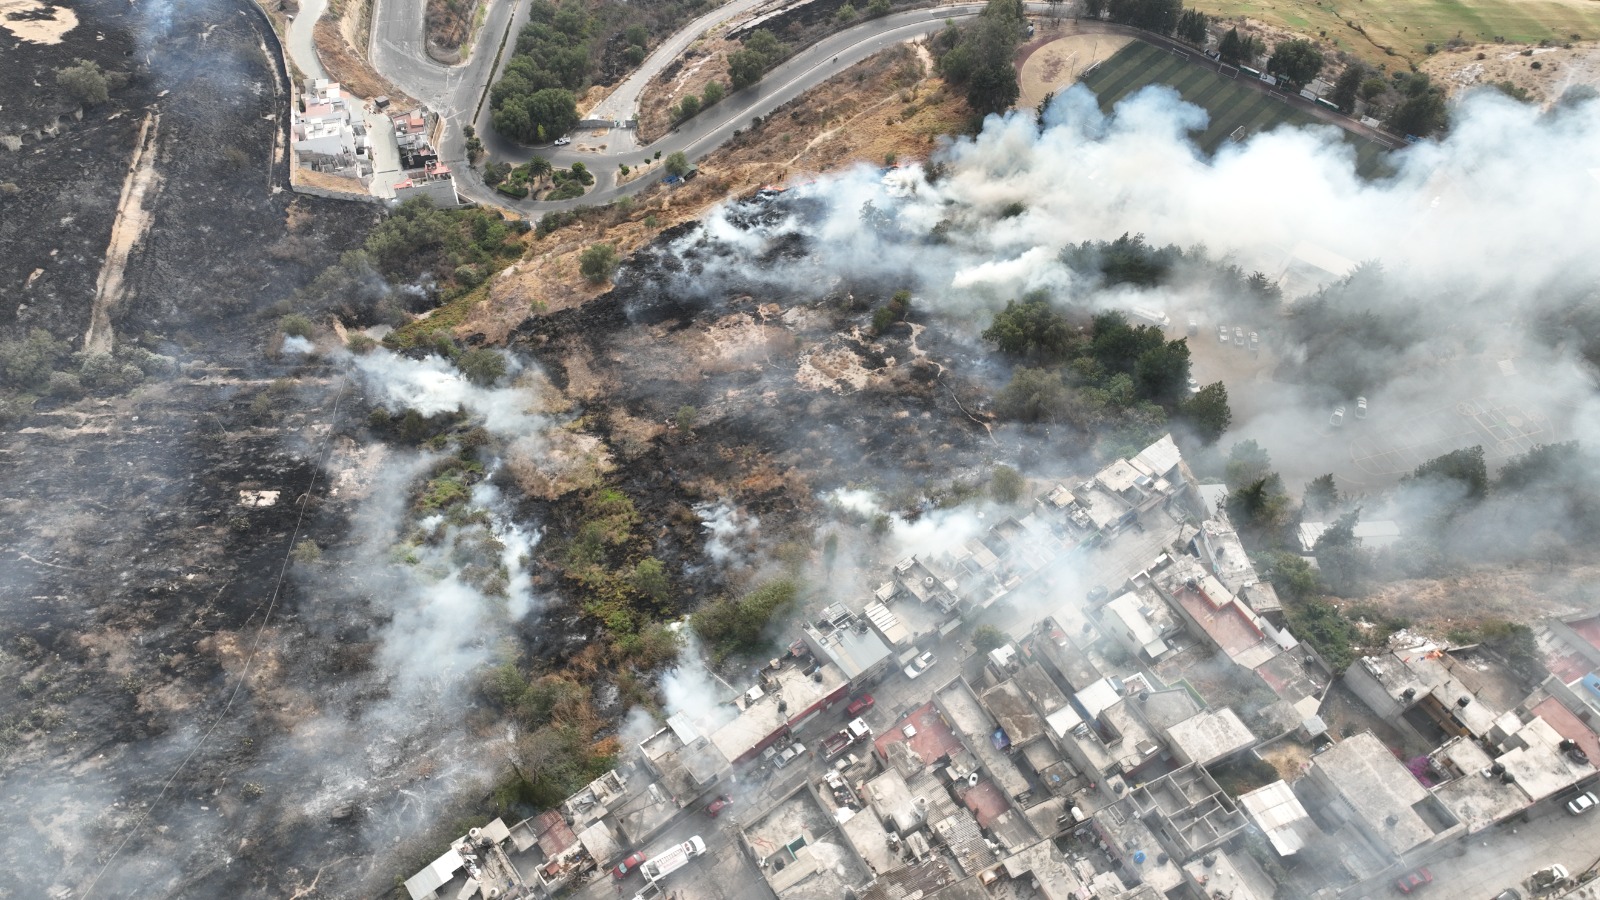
(397, 50)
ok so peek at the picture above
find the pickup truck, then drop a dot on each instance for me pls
(835, 744)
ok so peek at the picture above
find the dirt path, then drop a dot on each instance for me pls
(131, 223)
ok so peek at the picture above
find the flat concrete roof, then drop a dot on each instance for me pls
(1236, 877)
(1539, 764)
(1210, 735)
(1009, 708)
(1477, 801)
(760, 720)
(1369, 778)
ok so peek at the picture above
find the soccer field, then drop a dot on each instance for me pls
(1230, 103)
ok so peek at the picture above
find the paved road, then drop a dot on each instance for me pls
(623, 103)
(301, 46)
(397, 51)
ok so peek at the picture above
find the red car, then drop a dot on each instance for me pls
(859, 705)
(622, 869)
(714, 808)
(1414, 879)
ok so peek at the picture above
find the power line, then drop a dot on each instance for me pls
(255, 647)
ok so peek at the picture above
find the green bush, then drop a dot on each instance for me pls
(482, 367)
(598, 262)
(731, 626)
(297, 325)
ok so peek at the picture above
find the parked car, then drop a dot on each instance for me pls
(562, 141)
(1194, 326)
(788, 755)
(1337, 419)
(1098, 592)
(621, 869)
(919, 665)
(1548, 877)
(1194, 385)
(1361, 407)
(859, 705)
(1582, 803)
(1222, 333)
(715, 807)
(1507, 894)
(1238, 337)
(1413, 880)
(1255, 341)
(652, 891)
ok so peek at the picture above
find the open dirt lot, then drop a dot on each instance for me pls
(1558, 68)
(1054, 63)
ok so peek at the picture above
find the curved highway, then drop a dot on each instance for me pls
(460, 92)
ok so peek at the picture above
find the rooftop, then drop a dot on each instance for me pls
(922, 879)
(1044, 865)
(1380, 791)
(1225, 553)
(1235, 876)
(1477, 800)
(760, 719)
(1011, 710)
(803, 855)
(1209, 736)
(1228, 624)
(1568, 725)
(1280, 816)
(1539, 763)
(846, 641)
(931, 739)
(1147, 621)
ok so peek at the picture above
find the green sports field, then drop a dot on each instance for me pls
(1230, 102)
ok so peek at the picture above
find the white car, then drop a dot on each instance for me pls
(1582, 803)
(1238, 337)
(1361, 407)
(562, 141)
(1194, 386)
(919, 665)
(1337, 419)
(1255, 341)
(1222, 333)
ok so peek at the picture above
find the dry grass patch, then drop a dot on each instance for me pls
(1558, 68)
(706, 61)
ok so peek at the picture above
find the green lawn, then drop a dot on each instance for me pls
(1378, 30)
(1229, 102)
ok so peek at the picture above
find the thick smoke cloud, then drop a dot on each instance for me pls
(1470, 243)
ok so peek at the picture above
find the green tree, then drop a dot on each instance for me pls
(1265, 292)
(1192, 27)
(713, 94)
(1321, 493)
(677, 164)
(731, 626)
(84, 82)
(1231, 48)
(598, 262)
(1422, 110)
(688, 108)
(1030, 328)
(846, 14)
(26, 364)
(1296, 62)
(1461, 471)
(482, 366)
(685, 417)
(1247, 462)
(1260, 505)
(1033, 395)
(1208, 412)
(1373, 87)
(745, 67)
(1347, 87)
(1007, 484)
(978, 56)
(987, 637)
(1161, 374)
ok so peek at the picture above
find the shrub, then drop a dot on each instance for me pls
(1007, 484)
(84, 82)
(598, 262)
(296, 325)
(482, 367)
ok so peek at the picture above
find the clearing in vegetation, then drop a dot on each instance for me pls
(1376, 30)
(1231, 104)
